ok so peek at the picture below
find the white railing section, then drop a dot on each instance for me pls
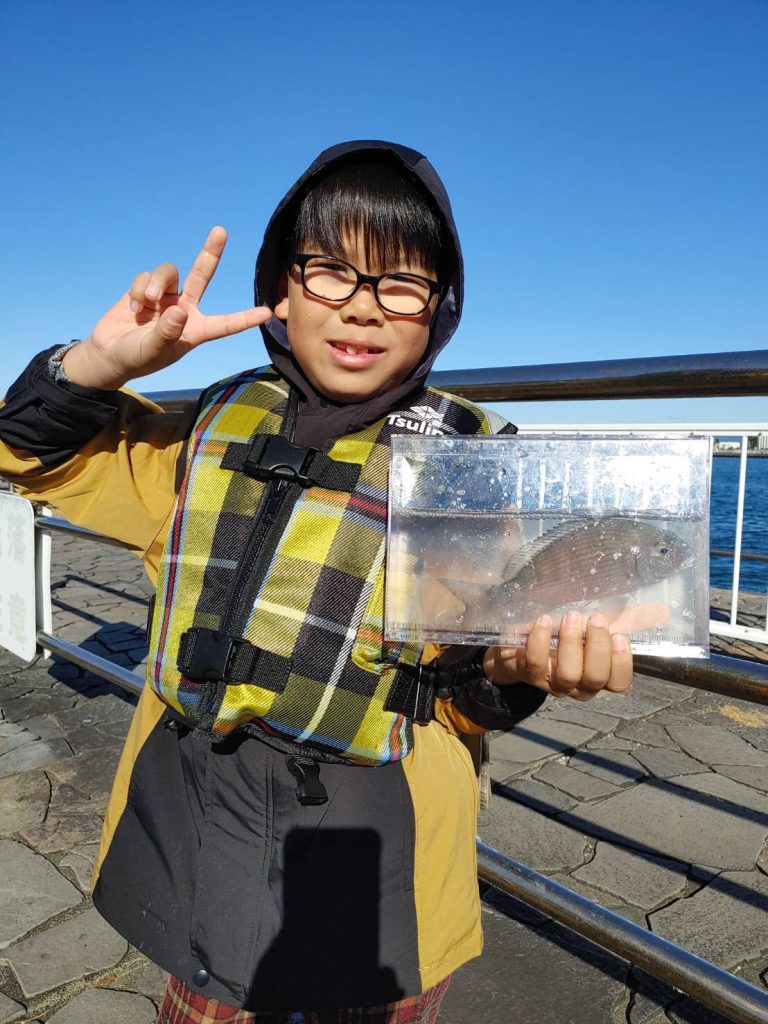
(740, 431)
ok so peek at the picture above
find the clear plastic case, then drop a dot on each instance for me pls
(487, 533)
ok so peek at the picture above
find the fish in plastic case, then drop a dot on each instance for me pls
(487, 533)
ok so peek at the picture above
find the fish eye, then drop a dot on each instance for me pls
(663, 551)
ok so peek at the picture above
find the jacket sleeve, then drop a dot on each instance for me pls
(467, 702)
(104, 460)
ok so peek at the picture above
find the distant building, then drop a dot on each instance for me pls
(762, 441)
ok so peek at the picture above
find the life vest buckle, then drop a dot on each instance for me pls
(205, 655)
(413, 693)
(309, 790)
(280, 458)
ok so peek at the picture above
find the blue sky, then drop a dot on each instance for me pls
(607, 163)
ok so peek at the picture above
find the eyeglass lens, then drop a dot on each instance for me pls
(397, 293)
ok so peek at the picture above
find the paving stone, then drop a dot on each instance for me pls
(10, 1010)
(575, 783)
(64, 670)
(91, 772)
(711, 744)
(724, 922)
(603, 899)
(649, 997)
(740, 800)
(669, 821)
(611, 743)
(66, 952)
(639, 701)
(9, 743)
(12, 691)
(31, 891)
(528, 837)
(649, 734)
(92, 710)
(646, 881)
(712, 709)
(541, 798)
(68, 800)
(481, 993)
(99, 1005)
(666, 763)
(509, 906)
(750, 776)
(80, 860)
(580, 714)
(10, 728)
(535, 740)
(37, 703)
(98, 688)
(90, 737)
(63, 832)
(38, 754)
(619, 768)
(44, 726)
(23, 801)
(148, 979)
(688, 1011)
(757, 737)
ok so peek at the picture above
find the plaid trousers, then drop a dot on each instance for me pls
(183, 1006)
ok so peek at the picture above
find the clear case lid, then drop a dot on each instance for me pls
(486, 533)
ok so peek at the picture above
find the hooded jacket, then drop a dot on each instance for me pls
(208, 863)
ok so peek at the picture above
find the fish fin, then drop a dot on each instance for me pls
(468, 593)
(525, 554)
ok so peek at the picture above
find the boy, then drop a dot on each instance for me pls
(292, 823)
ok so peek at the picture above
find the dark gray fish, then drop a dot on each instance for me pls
(577, 562)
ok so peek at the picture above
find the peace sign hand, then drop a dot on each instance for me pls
(153, 324)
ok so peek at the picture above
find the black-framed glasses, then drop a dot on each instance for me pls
(335, 280)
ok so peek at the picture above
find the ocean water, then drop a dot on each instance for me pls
(725, 485)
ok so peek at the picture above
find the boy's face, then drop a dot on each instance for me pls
(353, 350)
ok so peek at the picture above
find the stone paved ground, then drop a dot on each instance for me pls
(653, 803)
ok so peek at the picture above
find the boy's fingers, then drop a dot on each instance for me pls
(538, 650)
(205, 266)
(233, 323)
(570, 653)
(621, 665)
(137, 289)
(597, 655)
(163, 280)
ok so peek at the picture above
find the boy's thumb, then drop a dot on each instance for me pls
(172, 323)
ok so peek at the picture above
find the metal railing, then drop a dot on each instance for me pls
(684, 376)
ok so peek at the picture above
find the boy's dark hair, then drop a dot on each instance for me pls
(375, 198)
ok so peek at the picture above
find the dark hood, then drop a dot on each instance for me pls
(268, 268)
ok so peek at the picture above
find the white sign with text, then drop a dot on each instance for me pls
(18, 612)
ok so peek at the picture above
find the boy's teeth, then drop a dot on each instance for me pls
(351, 350)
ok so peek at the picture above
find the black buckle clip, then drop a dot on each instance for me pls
(280, 458)
(423, 699)
(310, 790)
(210, 655)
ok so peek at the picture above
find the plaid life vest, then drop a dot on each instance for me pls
(270, 595)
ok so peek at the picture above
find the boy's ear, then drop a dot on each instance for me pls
(281, 292)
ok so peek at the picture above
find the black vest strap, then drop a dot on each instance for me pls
(209, 656)
(271, 455)
(413, 693)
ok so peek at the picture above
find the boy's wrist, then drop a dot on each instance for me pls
(81, 364)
